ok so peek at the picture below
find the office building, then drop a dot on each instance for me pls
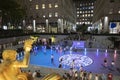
(84, 12)
(56, 16)
(107, 16)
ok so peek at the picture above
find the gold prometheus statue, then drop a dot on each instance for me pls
(10, 67)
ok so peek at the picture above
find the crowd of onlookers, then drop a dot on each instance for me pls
(72, 74)
(33, 75)
(84, 75)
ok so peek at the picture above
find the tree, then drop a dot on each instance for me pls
(82, 28)
(113, 40)
(11, 12)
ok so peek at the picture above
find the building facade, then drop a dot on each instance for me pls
(50, 16)
(84, 12)
(107, 16)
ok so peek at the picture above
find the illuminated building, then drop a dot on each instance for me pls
(107, 12)
(84, 12)
(56, 16)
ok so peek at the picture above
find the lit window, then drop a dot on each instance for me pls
(77, 11)
(91, 11)
(56, 5)
(91, 14)
(44, 16)
(77, 15)
(80, 11)
(36, 6)
(77, 22)
(80, 4)
(87, 22)
(86, 15)
(50, 5)
(89, 7)
(50, 14)
(92, 7)
(111, 11)
(56, 14)
(43, 6)
(77, 8)
(119, 11)
(83, 15)
(92, 3)
(30, 0)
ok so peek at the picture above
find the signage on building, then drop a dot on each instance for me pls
(113, 25)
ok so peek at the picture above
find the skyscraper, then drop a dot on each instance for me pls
(84, 12)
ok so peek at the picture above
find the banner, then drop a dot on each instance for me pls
(78, 44)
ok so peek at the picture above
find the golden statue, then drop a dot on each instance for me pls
(10, 67)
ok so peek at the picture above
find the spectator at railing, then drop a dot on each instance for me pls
(65, 76)
(76, 75)
(110, 76)
(84, 75)
(30, 75)
(81, 75)
(34, 74)
(90, 75)
(38, 74)
(103, 76)
(96, 77)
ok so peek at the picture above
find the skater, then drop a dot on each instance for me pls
(52, 58)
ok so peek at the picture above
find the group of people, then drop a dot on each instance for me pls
(33, 75)
(84, 75)
(106, 62)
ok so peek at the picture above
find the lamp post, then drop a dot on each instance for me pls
(47, 26)
(34, 25)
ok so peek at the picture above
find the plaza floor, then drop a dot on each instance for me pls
(42, 57)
